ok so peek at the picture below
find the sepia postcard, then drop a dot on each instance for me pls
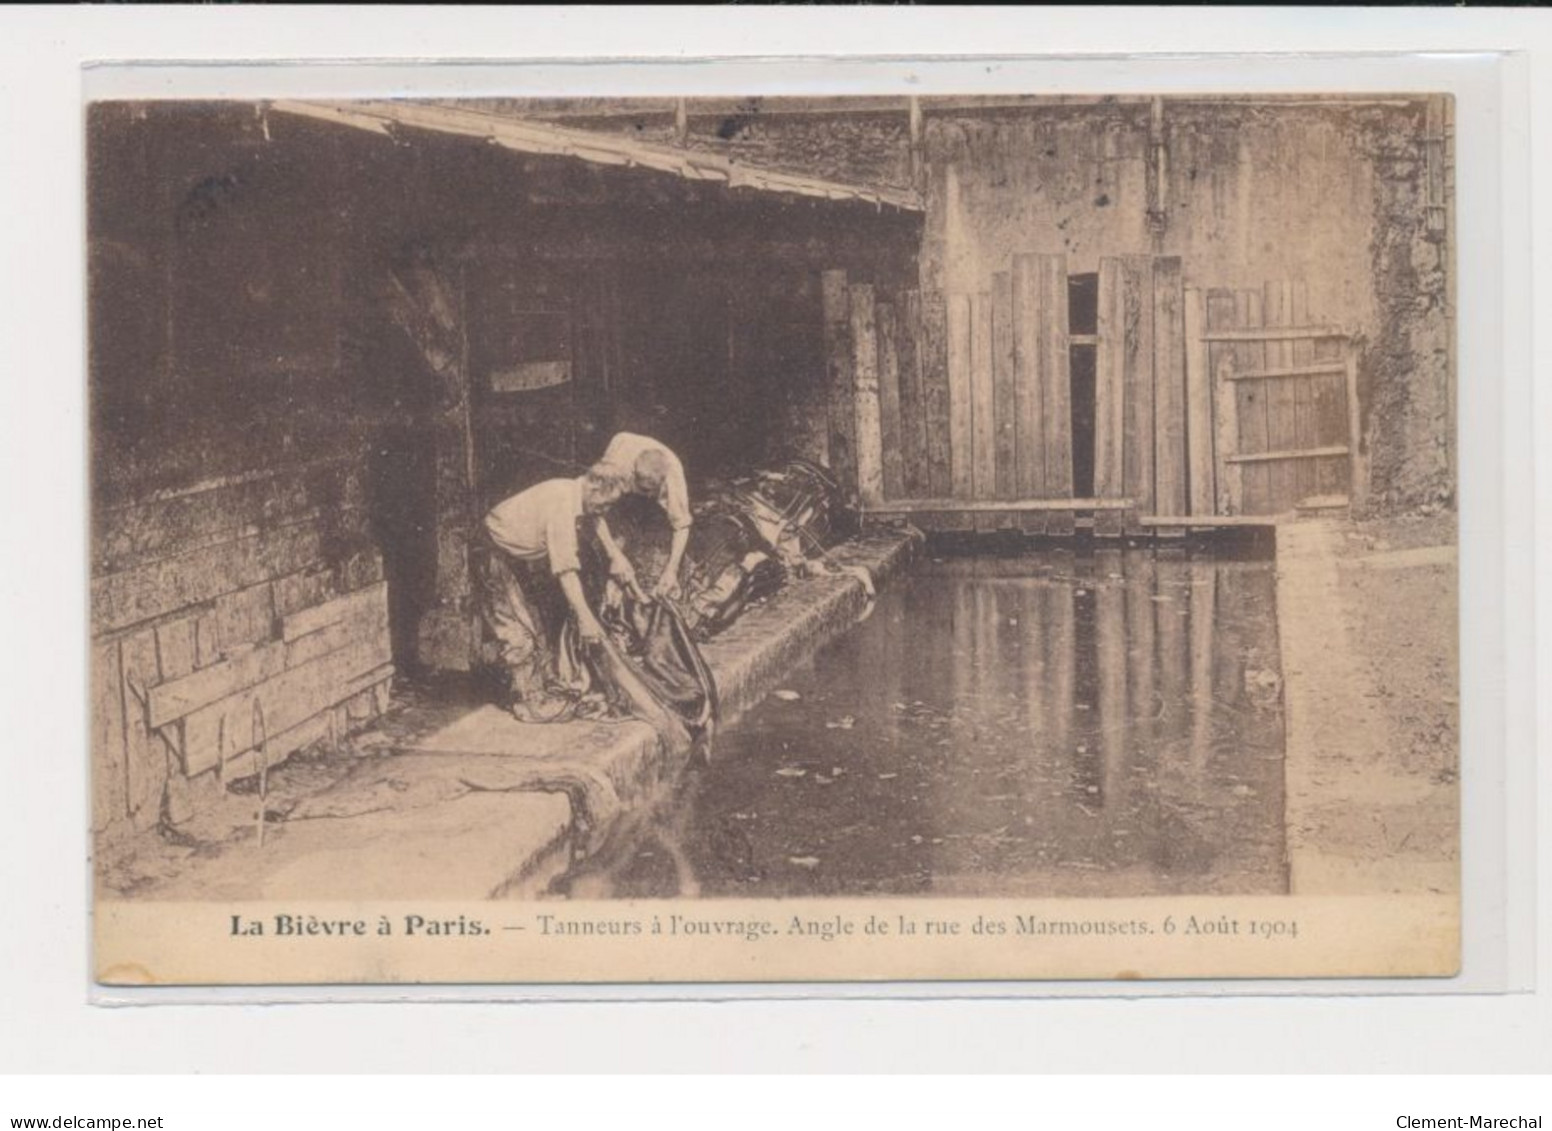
(801, 539)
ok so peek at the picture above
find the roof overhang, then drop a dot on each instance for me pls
(385, 117)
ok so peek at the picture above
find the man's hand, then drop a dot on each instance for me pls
(667, 587)
(623, 572)
(591, 632)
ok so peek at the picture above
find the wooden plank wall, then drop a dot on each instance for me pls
(1301, 406)
(260, 589)
(965, 399)
(972, 393)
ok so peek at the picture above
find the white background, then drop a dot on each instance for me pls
(46, 1024)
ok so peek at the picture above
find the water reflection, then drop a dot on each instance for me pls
(1100, 723)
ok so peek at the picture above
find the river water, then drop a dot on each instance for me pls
(1040, 723)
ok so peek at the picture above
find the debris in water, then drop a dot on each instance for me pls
(744, 816)
(886, 777)
(1242, 791)
(791, 772)
(1081, 592)
(837, 771)
(1083, 750)
(1091, 788)
(1013, 622)
(845, 722)
(786, 696)
(1262, 680)
(804, 861)
(916, 840)
(822, 780)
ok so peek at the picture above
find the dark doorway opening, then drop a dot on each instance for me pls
(395, 395)
(1083, 330)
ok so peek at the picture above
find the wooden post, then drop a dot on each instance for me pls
(838, 378)
(959, 394)
(1199, 407)
(864, 367)
(983, 412)
(936, 395)
(913, 406)
(1109, 383)
(1004, 387)
(1055, 385)
(1169, 389)
(1029, 427)
(889, 390)
(1139, 422)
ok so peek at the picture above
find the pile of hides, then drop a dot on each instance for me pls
(751, 535)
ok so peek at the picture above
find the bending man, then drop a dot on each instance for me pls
(649, 469)
(531, 563)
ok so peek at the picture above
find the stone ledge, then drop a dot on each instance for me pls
(486, 807)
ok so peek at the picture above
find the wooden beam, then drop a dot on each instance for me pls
(1334, 369)
(1291, 454)
(912, 506)
(1205, 522)
(1276, 334)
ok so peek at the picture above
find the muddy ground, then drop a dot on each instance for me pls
(1402, 595)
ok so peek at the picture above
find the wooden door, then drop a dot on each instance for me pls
(1283, 400)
